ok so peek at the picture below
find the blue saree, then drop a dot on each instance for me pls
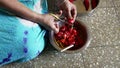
(21, 40)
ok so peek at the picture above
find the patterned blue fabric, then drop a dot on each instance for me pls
(18, 42)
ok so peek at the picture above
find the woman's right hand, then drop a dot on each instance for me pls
(48, 21)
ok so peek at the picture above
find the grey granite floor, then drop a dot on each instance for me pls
(103, 51)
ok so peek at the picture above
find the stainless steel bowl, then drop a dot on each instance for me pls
(87, 37)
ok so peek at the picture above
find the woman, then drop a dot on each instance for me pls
(21, 27)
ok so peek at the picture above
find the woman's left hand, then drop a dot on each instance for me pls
(68, 9)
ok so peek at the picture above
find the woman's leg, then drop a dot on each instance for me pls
(11, 48)
(35, 41)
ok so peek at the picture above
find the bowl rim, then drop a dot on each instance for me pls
(72, 51)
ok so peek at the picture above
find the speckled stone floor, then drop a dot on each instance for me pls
(103, 51)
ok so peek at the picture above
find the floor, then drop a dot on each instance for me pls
(103, 51)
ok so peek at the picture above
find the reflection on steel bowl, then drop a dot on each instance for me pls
(82, 39)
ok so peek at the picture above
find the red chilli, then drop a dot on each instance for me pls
(86, 4)
(94, 3)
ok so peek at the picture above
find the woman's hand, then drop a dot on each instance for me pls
(48, 21)
(69, 9)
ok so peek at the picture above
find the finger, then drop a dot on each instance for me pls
(57, 25)
(74, 13)
(55, 28)
(60, 12)
(69, 15)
